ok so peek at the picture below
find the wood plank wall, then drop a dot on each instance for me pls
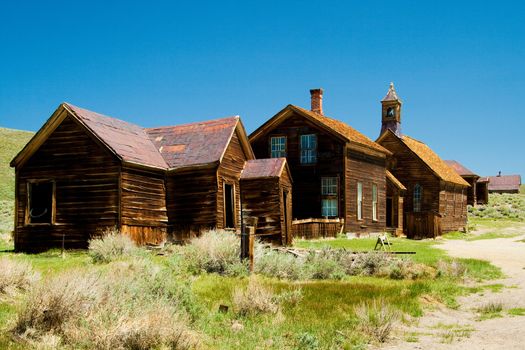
(87, 194)
(143, 205)
(438, 197)
(307, 177)
(229, 171)
(191, 203)
(369, 171)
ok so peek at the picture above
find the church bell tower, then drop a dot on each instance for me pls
(391, 112)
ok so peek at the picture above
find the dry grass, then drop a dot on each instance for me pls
(15, 276)
(215, 251)
(376, 319)
(110, 246)
(255, 299)
(128, 307)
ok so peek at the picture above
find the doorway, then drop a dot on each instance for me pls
(389, 212)
(229, 206)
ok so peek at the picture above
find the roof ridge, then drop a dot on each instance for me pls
(236, 117)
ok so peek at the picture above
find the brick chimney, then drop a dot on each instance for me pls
(317, 100)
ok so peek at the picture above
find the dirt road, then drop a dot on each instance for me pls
(444, 328)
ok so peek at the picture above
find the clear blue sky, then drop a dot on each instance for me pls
(458, 66)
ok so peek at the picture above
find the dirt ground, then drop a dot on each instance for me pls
(444, 328)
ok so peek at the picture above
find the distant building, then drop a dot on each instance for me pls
(478, 190)
(504, 183)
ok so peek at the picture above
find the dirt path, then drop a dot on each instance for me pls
(444, 328)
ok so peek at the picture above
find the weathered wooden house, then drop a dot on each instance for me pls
(266, 194)
(337, 171)
(436, 196)
(504, 183)
(204, 165)
(477, 193)
(84, 172)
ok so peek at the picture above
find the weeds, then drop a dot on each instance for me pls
(15, 276)
(110, 246)
(376, 319)
(255, 299)
(489, 310)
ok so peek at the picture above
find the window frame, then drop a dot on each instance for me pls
(417, 198)
(330, 196)
(375, 207)
(312, 155)
(285, 151)
(359, 201)
(27, 217)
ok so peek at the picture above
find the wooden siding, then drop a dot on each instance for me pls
(369, 171)
(438, 197)
(317, 228)
(191, 202)
(86, 179)
(143, 205)
(229, 172)
(307, 177)
(261, 199)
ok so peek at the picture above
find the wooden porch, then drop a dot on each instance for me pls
(315, 228)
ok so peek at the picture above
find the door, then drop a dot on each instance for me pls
(229, 206)
(389, 212)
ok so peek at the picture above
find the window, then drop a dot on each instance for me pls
(40, 209)
(329, 207)
(308, 149)
(359, 201)
(374, 202)
(277, 146)
(418, 194)
(329, 196)
(329, 186)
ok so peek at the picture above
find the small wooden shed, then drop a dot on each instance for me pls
(475, 194)
(266, 197)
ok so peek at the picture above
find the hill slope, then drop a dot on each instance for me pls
(12, 142)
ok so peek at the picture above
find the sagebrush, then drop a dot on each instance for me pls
(110, 246)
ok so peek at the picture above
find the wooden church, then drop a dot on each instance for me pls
(435, 198)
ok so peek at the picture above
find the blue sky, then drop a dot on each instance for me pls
(458, 66)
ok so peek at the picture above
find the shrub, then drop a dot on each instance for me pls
(15, 276)
(368, 264)
(119, 309)
(324, 265)
(255, 299)
(308, 341)
(111, 246)
(407, 269)
(214, 251)
(490, 308)
(276, 264)
(376, 319)
(454, 269)
(59, 299)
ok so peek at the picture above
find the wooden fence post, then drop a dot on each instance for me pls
(247, 242)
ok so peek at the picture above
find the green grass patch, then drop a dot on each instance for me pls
(481, 269)
(516, 311)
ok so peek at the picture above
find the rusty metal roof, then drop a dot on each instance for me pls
(460, 168)
(504, 183)
(259, 168)
(193, 144)
(129, 141)
(436, 164)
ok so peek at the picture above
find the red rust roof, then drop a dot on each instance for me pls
(259, 168)
(129, 141)
(504, 183)
(459, 168)
(193, 144)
